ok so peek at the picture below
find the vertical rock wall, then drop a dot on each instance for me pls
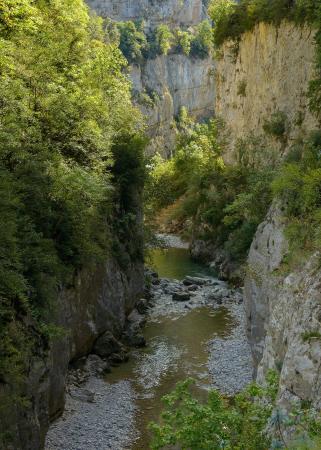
(154, 12)
(178, 80)
(270, 72)
(99, 301)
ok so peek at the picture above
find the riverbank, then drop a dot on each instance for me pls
(194, 327)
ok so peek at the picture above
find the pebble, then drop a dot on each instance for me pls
(101, 416)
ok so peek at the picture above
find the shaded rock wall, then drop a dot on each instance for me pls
(283, 309)
(270, 73)
(99, 301)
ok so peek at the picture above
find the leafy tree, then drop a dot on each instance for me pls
(133, 42)
(164, 39)
(203, 40)
(249, 421)
(64, 103)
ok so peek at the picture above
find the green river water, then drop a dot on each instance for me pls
(177, 346)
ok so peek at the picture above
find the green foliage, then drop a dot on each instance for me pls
(202, 41)
(183, 41)
(249, 421)
(164, 39)
(220, 201)
(65, 102)
(298, 184)
(232, 18)
(133, 42)
(137, 46)
(276, 125)
(307, 336)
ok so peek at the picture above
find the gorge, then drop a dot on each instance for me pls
(230, 96)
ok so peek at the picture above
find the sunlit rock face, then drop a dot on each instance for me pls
(154, 12)
(270, 71)
(178, 80)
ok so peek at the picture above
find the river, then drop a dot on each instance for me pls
(202, 338)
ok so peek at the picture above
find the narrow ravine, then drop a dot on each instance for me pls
(202, 337)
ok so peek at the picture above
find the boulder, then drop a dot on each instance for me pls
(189, 281)
(106, 345)
(181, 296)
(133, 335)
(142, 306)
(193, 287)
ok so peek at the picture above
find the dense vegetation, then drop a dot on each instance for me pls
(232, 18)
(66, 122)
(217, 202)
(138, 45)
(249, 421)
(224, 204)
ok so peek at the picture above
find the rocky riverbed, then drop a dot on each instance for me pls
(194, 327)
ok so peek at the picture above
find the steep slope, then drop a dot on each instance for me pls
(154, 12)
(177, 80)
(268, 74)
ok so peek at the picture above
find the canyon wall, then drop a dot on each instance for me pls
(176, 79)
(154, 12)
(284, 313)
(99, 301)
(270, 73)
(179, 81)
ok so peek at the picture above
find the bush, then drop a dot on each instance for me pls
(202, 41)
(64, 101)
(249, 421)
(133, 42)
(277, 125)
(220, 201)
(183, 41)
(298, 186)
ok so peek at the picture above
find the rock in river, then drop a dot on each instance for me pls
(181, 296)
(106, 345)
(188, 281)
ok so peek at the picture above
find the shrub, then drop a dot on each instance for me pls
(298, 185)
(241, 88)
(132, 42)
(164, 39)
(249, 421)
(277, 125)
(203, 40)
(183, 41)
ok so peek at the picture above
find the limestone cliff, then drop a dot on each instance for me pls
(154, 12)
(268, 71)
(284, 313)
(176, 79)
(179, 81)
(99, 301)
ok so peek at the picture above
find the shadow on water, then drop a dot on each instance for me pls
(177, 263)
(177, 347)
